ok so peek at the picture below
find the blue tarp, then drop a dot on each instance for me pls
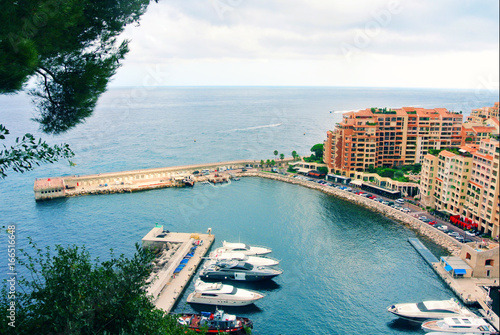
(184, 261)
(448, 268)
(460, 271)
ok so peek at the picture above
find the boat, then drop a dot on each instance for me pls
(188, 182)
(224, 254)
(245, 248)
(459, 325)
(215, 323)
(236, 270)
(436, 309)
(221, 295)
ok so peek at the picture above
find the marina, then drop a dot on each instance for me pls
(172, 276)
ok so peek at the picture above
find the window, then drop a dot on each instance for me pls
(489, 262)
(467, 256)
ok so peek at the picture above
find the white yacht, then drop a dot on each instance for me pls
(221, 295)
(245, 248)
(426, 310)
(459, 325)
(224, 254)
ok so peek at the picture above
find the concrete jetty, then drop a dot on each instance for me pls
(139, 180)
(179, 255)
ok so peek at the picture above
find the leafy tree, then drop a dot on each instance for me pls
(268, 162)
(273, 162)
(318, 150)
(276, 153)
(294, 155)
(70, 294)
(28, 153)
(282, 157)
(262, 163)
(72, 48)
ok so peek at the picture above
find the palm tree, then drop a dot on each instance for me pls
(282, 157)
(294, 155)
(276, 153)
(261, 163)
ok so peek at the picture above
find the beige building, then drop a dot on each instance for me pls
(482, 200)
(451, 182)
(482, 258)
(427, 180)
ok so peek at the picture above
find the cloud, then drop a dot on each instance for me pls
(333, 33)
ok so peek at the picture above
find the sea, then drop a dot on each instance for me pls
(343, 265)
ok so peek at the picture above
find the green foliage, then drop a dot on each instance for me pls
(323, 169)
(70, 294)
(291, 169)
(273, 162)
(71, 46)
(276, 153)
(294, 155)
(282, 156)
(28, 153)
(318, 151)
(261, 162)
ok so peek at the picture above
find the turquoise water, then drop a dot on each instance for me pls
(343, 265)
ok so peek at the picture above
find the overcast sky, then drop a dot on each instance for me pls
(385, 43)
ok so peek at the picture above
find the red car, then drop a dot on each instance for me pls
(372, 197)
(432, 223)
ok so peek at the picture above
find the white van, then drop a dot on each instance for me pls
(205, 172)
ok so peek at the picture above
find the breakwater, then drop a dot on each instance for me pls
(138, 180)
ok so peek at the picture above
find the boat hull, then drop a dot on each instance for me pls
(211, 276)
(194, 298)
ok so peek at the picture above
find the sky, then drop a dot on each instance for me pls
(360, 43)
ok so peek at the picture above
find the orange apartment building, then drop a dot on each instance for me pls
(389, 137)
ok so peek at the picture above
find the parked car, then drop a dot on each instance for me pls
(422, 218)
(454, 233)
(406, 210)
(470, 233)
(432, 223)
(460, 238)
(442, 227)
(385, 202)
(372, 197)
(400, 201)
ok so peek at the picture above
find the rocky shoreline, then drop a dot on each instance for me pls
(437, 236)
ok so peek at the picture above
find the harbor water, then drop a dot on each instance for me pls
(343, 265)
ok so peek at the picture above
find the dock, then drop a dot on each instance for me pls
(179, 255)
(469, 290)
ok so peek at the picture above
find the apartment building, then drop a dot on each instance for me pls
(481, 114)
(454, 168)
(427, 180)
(389, 137)
(482, 199)
(474, 133)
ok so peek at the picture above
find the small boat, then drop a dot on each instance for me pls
(224, 254)
(245, 248)
(215, 323)
(459, 325)
(188, 182)
(221, 295)
(438, 309)
(236, 270)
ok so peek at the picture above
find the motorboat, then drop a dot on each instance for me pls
(236, 270)
(221, 295)
(459, 325)
(245, 248)
(223, 254)
(437, 309)
(215, 323)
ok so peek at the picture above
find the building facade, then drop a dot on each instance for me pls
(389, 137)
(482, 198)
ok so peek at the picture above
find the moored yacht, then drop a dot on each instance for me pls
(426, 310)
(215, 323)
(459, 325)
(222, 295)
(223, 254)
(235, 270)
(245, 248)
